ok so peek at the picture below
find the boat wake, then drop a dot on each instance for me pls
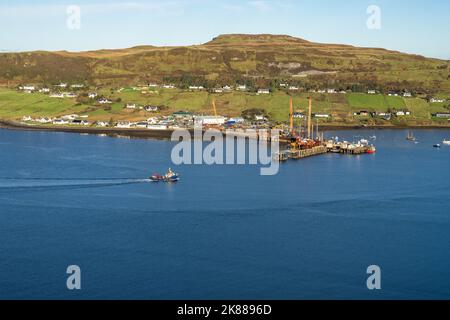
(42, 184)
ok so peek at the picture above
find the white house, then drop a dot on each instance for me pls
(264, 91)
(407, 94)
(283, 85)
(61, 85)
(28, 88)
(402, 113)
(260, 118)
(77, 85)
(321, 115)
(104, 101)
(60, 121)
(151, 108)
(57, 95)
(44, 120)
(130, 106)
(70, 95)
(168, 86)
(70, 117)
(436, 100)
(293, 88)
(102, 124)
(241, 88)
(123, 124)
(371, 91)
(218, 90)
(27, 118)
(44, 90)
(92, 95)
(153, 85)
(331, 91)
(209, 120)
(227, 88)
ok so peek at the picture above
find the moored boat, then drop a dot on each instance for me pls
(446, 142)
(437, 146)
(371, 150)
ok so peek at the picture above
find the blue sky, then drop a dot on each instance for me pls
(414, 26)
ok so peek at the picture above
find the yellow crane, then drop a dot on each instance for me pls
(214, 107)
(291, 116)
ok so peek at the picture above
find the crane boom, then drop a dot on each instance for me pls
(214, 107)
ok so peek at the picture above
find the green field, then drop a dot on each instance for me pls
(15, 105)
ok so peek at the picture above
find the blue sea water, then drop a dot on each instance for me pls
(223, 232)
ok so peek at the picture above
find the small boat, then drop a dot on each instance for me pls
(371, 150)
(410, 136)
(170, 176)
(437, 146)
(446, 142)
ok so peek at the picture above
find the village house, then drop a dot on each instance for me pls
(371, 92)
(56, 95)
(402, 113)
(77, 86)
(44, 90)
(130, 106)
(153, 85)
(28, 88)
(168, 86)
(283, 85)
(102, 124)
(196, 87)
(299, 115)
(60, 121)
(227, 88)
(92, 95)
(321, 116)
(362, 113)
(218, 90)
(331, 91)
(44, 120)
(70, 117)
(241, 88)
(293, 88)
(263, 91)
(104, 101)
(123, 124)
(442, 115)
(27, 118)
(80, 122)
(151, 108)
(61, 85)
(69, 95)
(436, 100)
(407, 94)
(209, 120)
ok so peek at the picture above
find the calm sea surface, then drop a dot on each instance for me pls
(223, 232)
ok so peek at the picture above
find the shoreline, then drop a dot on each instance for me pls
(167, 134)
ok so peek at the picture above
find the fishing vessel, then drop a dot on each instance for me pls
(170, 176)
(446, 142)
(410, 136)
(437, 146)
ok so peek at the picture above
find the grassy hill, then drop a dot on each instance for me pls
(14, 105)
(229, 58)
